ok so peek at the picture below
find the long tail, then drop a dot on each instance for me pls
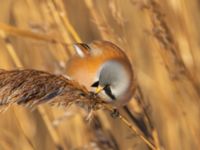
(139, 121)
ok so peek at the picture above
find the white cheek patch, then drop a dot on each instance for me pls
(121, 87)
(79, 51)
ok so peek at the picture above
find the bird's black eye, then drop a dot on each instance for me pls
(95, 84)
(109, 92)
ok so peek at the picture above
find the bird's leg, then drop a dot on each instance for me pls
(115, 113)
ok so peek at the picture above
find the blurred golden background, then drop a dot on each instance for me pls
(161, 37)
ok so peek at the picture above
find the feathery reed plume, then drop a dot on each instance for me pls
(171, 53)
(31, 87)
(164, 36)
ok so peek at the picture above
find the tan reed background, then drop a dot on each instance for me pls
(160, 37)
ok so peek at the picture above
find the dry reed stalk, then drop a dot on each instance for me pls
(51, 20)
(54, 12)
(134, 129)
(28, 34)
(11, 50)
(21, 128)
(105, 139)
(11, 30)
(51, 10)
(63, 16)
(104, 30)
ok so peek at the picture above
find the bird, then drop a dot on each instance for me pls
(103, 67)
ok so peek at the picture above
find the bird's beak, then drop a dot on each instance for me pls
(98, 89)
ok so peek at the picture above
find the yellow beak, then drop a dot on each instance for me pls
(98, 89)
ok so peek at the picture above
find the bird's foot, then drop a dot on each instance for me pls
(115, 113)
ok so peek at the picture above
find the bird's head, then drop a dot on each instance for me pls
(113, 81)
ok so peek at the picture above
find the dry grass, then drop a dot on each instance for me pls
(160, 37)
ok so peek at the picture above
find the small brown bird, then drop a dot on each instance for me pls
(103, 66)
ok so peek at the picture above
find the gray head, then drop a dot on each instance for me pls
(115, 79)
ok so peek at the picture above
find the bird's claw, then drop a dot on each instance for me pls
(115, 113)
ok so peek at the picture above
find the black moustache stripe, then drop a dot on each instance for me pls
(109, 92)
